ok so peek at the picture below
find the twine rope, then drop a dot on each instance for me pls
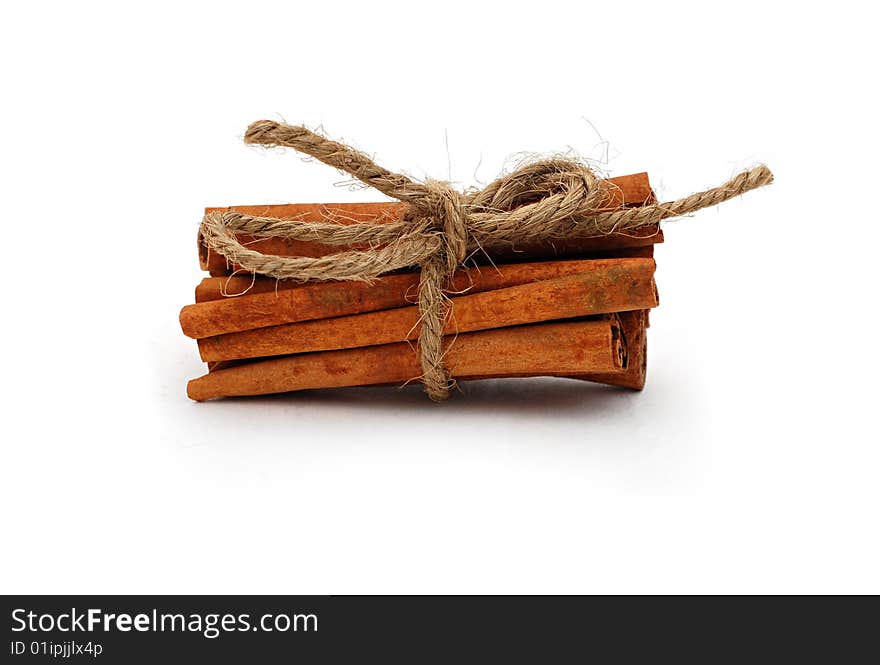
(545, 200)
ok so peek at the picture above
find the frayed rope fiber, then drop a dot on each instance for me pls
(544, 200)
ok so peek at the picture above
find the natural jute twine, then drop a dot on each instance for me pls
(545, 200)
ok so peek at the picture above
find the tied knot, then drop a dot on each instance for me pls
(445, 211)
(546, 200)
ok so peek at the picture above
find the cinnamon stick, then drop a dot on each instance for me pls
(536, 350)
(631, 190)
(331, 299)
(603, 287)
(233, 286)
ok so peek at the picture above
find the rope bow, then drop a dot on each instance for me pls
(545, 200)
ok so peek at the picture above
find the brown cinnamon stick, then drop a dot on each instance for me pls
(631, 190)
(233, 286)
(332, 299)
(612, 286)
(537, 350)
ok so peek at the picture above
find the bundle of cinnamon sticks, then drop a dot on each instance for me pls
(576, 308)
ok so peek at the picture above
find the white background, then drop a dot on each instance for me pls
(749, 463)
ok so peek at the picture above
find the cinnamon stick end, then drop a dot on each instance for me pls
(194, 390)
(186, 322)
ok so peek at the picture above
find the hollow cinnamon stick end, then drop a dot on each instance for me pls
(619, 350)
(633, 327)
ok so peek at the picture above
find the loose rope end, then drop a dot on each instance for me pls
(759, 176)
(261, 132)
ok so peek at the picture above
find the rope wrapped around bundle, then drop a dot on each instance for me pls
(545, 200)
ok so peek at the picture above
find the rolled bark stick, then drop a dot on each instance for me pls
(233, 286)
(631, 190)
(538, 350)
(621, 285)
(306, 302)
